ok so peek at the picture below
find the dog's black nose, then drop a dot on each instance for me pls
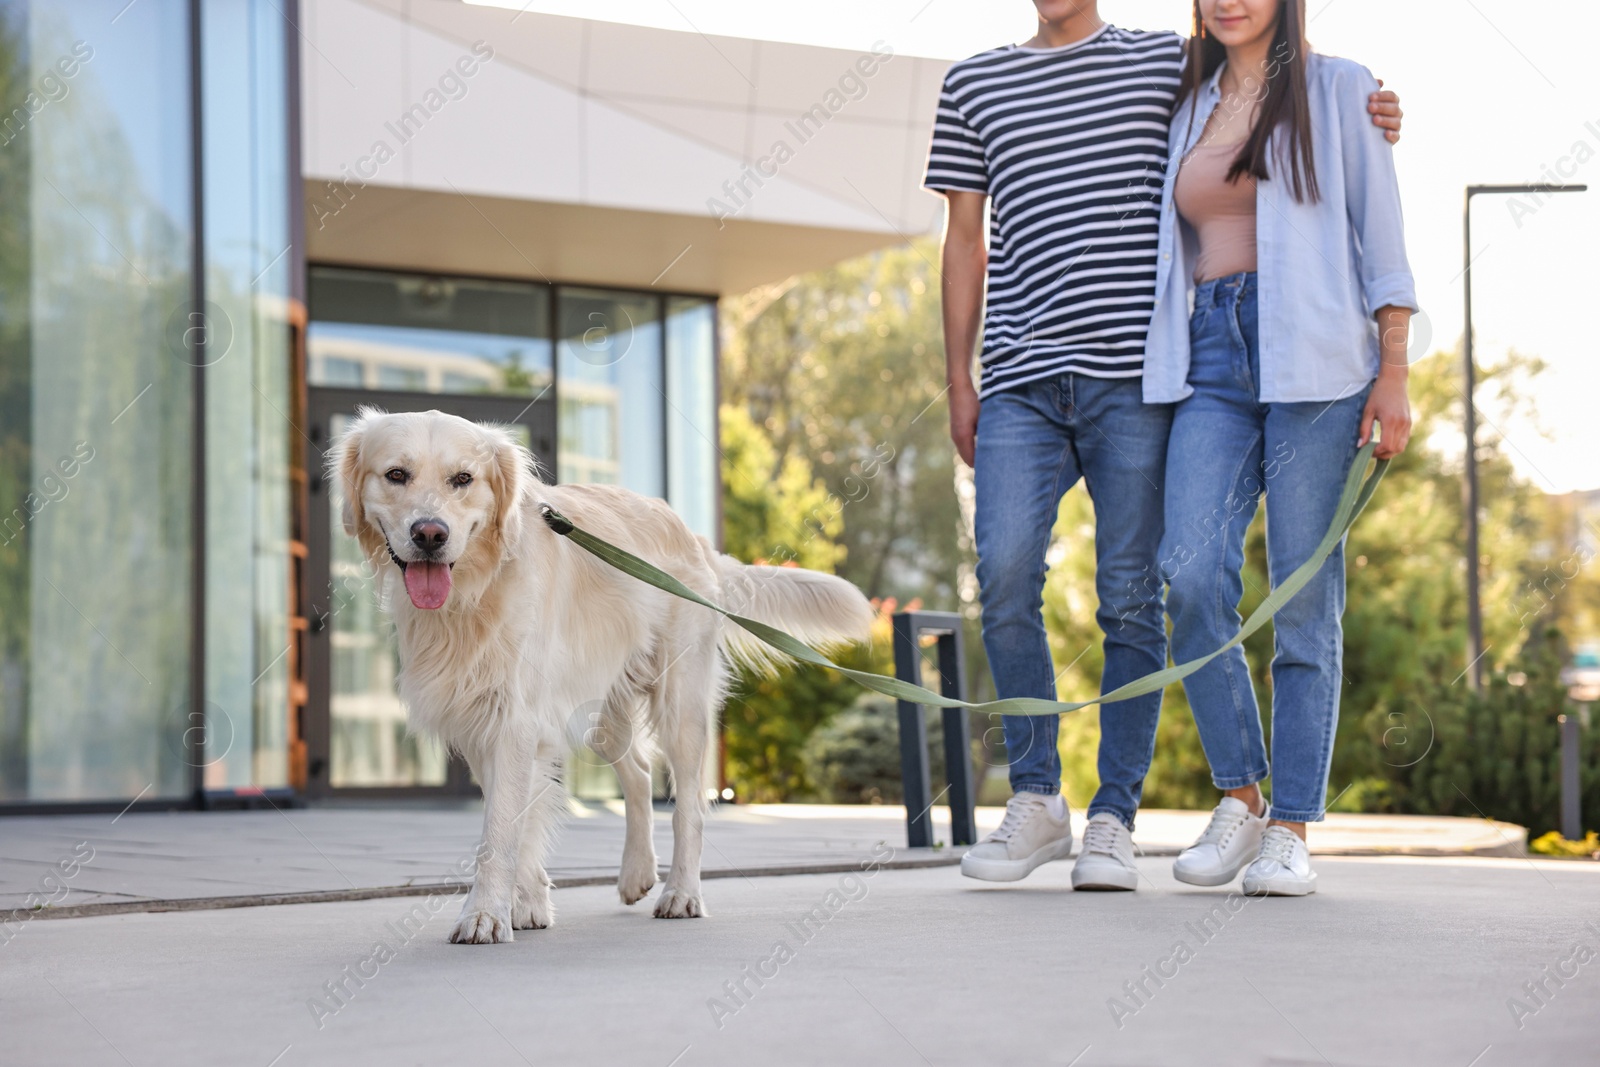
(429, 534)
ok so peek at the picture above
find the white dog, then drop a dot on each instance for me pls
(509, 633)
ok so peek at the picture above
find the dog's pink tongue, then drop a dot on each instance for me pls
(428, 584)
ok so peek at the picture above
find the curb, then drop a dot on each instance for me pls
(1514, 847)
(335, 896)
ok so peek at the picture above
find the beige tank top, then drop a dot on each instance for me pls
(1223, 213)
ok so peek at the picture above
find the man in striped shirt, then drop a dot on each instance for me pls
(1065, 137)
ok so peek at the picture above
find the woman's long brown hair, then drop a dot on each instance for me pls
(1287, 102)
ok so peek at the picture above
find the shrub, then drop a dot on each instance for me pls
(855, 758)
(1498, 753)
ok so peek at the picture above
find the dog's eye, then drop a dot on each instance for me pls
(397, 475)
(461, 480)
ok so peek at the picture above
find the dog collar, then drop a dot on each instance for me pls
(553, 519)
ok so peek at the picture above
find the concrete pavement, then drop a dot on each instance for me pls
(142, 861)
(1401, 961)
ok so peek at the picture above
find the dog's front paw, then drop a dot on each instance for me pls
(532, 909)
(676, 903)
(637, 878)
(479, 927)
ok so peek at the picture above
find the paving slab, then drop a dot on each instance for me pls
(1395, 962)
(160, 860)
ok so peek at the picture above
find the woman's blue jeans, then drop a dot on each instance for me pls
(1226, 451)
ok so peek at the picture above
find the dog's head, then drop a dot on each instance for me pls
(432, 489)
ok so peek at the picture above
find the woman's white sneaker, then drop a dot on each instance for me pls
(1106, 859)
(1283, 869)
(1232, 839)
(1030, 834)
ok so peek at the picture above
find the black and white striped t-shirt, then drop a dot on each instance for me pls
(1070, 144)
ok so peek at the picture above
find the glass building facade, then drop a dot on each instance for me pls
(144, 339)
(180, 621)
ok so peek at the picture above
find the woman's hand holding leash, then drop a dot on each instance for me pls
(1387, 404)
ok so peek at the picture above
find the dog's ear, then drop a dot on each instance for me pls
(344, 466)
(512, 480)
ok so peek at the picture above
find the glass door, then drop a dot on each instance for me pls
(356, 732)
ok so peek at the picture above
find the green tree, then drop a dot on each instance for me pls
(773, 507)
(1413, 736)
(838, 371)
(843, 366)
(775, 510)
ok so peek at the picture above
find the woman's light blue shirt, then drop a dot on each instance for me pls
(1324, 268)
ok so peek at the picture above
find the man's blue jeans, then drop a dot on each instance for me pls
(1227, 449)
(1034, 443)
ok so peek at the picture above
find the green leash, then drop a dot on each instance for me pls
(1358, 489)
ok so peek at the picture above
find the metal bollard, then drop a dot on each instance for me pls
(1571, 790)
(914, 774)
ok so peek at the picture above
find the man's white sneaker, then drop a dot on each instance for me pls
(1106, 859)
(1283, 869)
(1030, 834)
(1232, 839)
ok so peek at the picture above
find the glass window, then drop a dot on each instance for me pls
(409, 378)
(95, 400)
(248, 288)
(693, 479)
(331, 370)
(610, 389)
(466, 383)
(423, 333)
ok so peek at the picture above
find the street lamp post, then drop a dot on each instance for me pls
(1474, 594)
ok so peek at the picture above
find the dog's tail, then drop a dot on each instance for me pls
(819, 609)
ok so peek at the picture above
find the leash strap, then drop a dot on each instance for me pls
(1358, 489)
